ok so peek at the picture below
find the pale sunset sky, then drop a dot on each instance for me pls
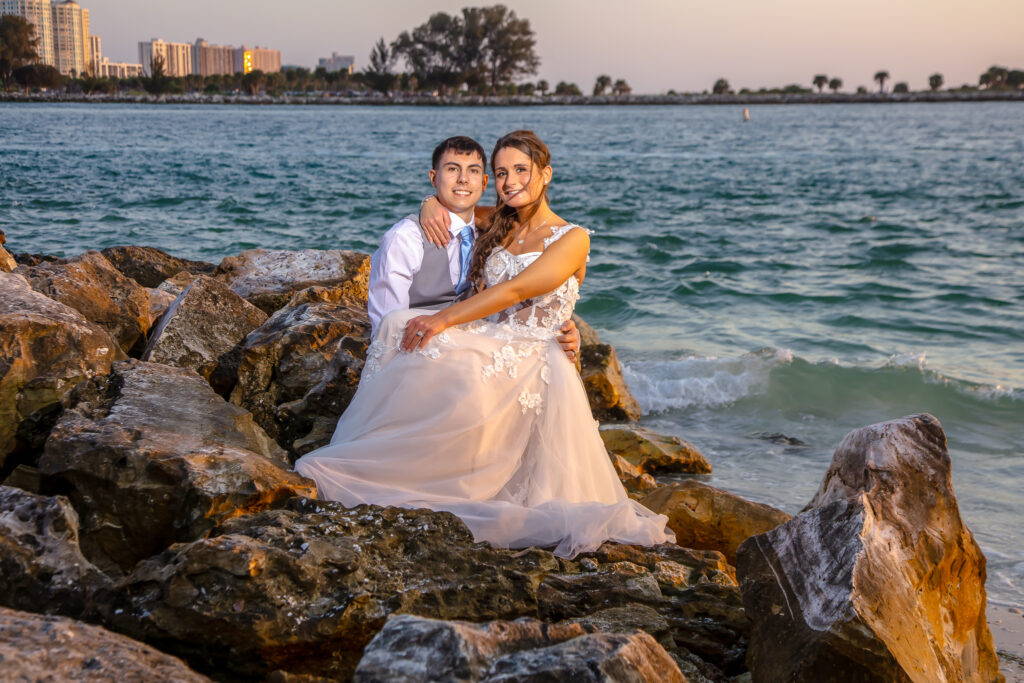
(656, 45)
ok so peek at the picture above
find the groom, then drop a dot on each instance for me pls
(407, 271)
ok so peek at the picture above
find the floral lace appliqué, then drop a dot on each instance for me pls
(530, 401)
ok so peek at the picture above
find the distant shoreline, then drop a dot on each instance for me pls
(534, 100)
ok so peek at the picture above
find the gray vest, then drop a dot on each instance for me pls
(432, 286)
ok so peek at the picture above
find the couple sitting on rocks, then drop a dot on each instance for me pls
(469, 401)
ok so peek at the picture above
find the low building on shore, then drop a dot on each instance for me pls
(338, 62)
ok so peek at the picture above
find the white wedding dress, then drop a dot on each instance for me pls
(488, 421)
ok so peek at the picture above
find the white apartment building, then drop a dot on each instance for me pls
(71, 45)
(257, 59)
(96, 54)
(177, 57)
(338, 62)
(109, 69)
(211, 60)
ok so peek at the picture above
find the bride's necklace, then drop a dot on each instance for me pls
(532, 230)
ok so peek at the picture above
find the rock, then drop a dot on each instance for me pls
(46, 348)
(269, 278)
(25, 259)
(629, 619)
(653, 453)
(708, 518)
(93, 287)
(42, 568)
(411, 648)
(304, 588)
(203, 330)
(610, 397)
(635, 481)
(300, 369)
(150, 266)
(40, 648)
(878, 577)
(588, 336)
(7, 262)
(177, 284)
(159, 302)
(25, 478)
(150, 455)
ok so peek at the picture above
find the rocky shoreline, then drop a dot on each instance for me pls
(151, 526)
(423, 100)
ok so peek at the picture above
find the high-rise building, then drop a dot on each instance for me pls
(257, 59)
(39, 13)
(71, 38)
(211, 60)
(95, 52)
(177, 57)
(338, 62)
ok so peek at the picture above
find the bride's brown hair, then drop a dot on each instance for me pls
(496, 229)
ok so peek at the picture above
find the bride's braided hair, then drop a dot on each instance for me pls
(496, 229)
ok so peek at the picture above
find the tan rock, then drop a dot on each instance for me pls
(610, 397)
(7, 262)
(177, 283)
(708, 518)
(150, 455)
(46, 348)
(150, 266)
(268, 278)
(40, 648)
(203, 330)
(878, 577)
(93, 287)
(159, 302)
(653, 453)
(300, 369)
(635, 481)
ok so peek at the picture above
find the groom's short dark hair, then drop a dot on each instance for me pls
(459, 144)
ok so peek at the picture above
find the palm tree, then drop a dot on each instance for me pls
(881, 77)
(621, 87)
(820, 81)
(602, 83)
(935, 81)
(543, 87)
(721, 87)
(901, 88)
(835, 84)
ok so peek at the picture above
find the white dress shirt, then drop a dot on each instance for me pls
(398, 259)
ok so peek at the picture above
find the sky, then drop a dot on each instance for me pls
(656, 45)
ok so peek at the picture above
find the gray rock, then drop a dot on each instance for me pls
(203, 330)
(150, 455)
(93, 287)
(878, 577)
(269, 278)
(159, 301)
(42, 568)
(150, 266)
(299, 370)
(414, 649)
(46, 348)
(41, 648)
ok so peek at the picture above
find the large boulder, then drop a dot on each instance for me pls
(878, 577)
(300, 369)
(150, 455)
(94, 288)
(7, 262)
(150, 266)
(705, 517)
(203, 330)
(610, 397)
(411, 649)
(653, 453)
(42, 568)
(269, 278)
(46, 348)
(41, 648)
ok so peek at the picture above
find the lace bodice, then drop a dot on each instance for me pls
(542, 315)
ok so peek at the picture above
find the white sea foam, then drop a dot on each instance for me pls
(661, 385)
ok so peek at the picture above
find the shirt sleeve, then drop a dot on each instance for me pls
(392, 268)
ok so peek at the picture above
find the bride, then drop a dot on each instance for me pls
(475, 409)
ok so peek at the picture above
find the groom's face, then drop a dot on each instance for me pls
(460, 180)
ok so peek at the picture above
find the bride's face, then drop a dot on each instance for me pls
(517, 180)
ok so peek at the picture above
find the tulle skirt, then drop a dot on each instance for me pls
(490, 423)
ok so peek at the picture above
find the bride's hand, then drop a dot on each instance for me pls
(435, 221)
(419, 330)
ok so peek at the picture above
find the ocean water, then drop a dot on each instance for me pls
(769, 285)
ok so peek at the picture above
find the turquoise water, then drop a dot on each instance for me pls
(809, 272)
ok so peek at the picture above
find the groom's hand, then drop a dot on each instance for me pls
(570, 340)
(435, 221)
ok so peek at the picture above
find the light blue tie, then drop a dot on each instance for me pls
(465, 253)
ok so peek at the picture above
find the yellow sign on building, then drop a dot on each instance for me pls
(247, 61)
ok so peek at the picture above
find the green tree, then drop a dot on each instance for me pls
(508, 46)
(1015, 79)
(861, 90)
(820, 81)
(621, 88)
(37, 76)
(158, 82)
(721, 87)
(543, 86)
(835, 84)
(881, 77)
(254, 81)
(602, 84)
(566, 88)
(935, 81)
(378, 74)
(994, 78)
(431, 51)
(901, 88)
(18, 43)
(525, 89)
